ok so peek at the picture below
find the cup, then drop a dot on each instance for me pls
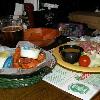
(11, 30)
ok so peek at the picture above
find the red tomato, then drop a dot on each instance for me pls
(84, 61)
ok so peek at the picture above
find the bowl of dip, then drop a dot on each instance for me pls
(70, 53)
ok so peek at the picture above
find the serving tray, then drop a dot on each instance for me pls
(72, 66)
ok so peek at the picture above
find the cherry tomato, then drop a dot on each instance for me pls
(84, 60)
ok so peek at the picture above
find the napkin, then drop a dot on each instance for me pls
(19, 8)
(71, 82)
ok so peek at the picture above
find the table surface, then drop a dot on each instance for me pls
(39, 91)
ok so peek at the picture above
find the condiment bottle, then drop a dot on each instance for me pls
(28, 8)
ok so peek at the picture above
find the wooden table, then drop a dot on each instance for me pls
(39, 91)
(92, 19)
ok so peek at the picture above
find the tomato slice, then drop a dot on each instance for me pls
(41, 57)
(84, 60)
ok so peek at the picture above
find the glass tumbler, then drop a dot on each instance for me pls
(11, 30)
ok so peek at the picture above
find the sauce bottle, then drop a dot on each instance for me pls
(28, 10)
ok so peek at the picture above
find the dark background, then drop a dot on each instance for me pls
(67, 6)
(7, 7)
(75, 4)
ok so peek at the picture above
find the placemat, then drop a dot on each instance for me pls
(25, 81)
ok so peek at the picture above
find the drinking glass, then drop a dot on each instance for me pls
(11, 30)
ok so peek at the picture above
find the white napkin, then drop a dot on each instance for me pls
(19, 8)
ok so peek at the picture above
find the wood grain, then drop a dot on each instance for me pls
(40, 91)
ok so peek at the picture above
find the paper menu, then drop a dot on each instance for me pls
(71, 82)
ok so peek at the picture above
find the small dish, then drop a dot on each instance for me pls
(70, 53)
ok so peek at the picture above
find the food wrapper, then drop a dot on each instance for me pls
(8, 69)
(5, 59)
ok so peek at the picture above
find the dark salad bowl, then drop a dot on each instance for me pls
(70, 53)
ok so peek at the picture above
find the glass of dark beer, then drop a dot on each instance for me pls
(11, 30)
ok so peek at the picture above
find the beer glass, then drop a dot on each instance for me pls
(11, 30)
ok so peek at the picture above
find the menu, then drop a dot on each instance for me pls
(81, 85)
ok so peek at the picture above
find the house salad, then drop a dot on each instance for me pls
(91, 54)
